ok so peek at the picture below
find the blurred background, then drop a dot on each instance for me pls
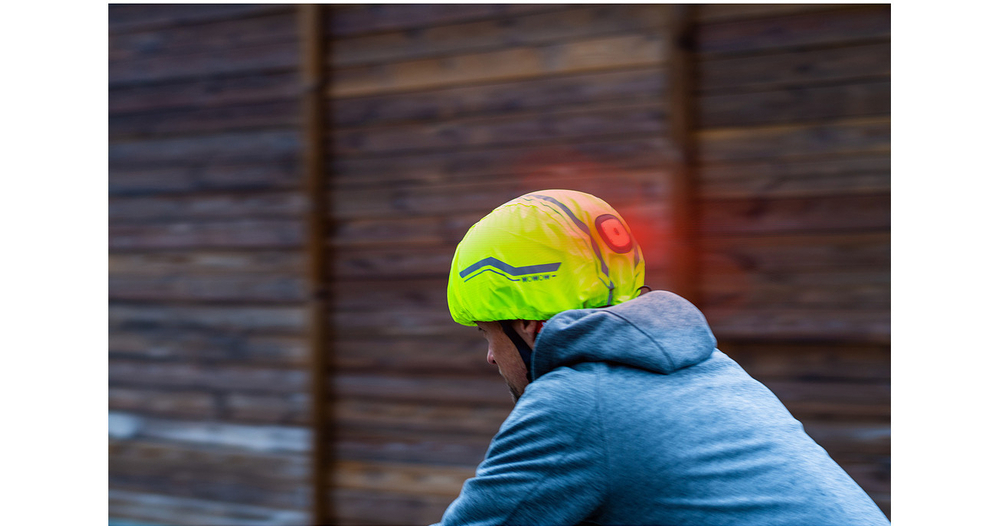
(288, 183)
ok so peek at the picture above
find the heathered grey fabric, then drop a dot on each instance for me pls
(633, 417)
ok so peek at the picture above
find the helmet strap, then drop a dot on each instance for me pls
(522, 346)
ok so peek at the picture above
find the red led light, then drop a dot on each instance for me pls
(613, 233)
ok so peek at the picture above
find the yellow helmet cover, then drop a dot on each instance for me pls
(541, 254)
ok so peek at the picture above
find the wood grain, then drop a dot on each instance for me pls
(187, 175)
(843, 325)
(858, 99)
(125, 49)
(794, 67)
(523, 162)
(837, 138)
(347, 20)
(515, 63)
(266, 115)
(528, 29)
(498, 98)
(206, 345)
(806, 29)
(791, 177)
(165, 509)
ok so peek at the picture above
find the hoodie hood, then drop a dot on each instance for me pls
(658, 331)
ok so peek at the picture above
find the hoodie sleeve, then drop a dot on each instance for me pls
(545, 466)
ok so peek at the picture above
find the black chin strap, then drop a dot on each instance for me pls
(522, 346)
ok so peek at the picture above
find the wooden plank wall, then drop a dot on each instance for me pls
(793, 136)
(437, 114)
(208, 396)
(443, 113)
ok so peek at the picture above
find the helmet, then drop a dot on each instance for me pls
(543, 253)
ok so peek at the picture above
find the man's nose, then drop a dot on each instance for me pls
(489, 358)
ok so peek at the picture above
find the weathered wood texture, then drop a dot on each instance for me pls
(440, 116)
(207, 385)
(435, 115)
(793, 113)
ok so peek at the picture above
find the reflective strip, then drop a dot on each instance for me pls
(510, 269)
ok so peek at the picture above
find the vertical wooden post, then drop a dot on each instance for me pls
(311, 31)
(681, 103)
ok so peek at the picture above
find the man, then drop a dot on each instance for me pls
(625, 413)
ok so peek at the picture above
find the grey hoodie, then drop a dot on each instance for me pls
(633, 417)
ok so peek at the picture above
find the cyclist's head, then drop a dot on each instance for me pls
(543, 253)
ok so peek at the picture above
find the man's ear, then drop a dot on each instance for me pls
(527, 329)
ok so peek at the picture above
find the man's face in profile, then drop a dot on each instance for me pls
(502, 353)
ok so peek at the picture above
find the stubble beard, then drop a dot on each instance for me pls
(513, 392)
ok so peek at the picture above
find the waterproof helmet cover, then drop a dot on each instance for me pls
(541, 254)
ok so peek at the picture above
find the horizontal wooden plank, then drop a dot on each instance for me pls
(525, 62)
(864, 212)
(270, 205)
(499, 98)
(860, 99)
(239, 320)
(456, 417)
(373, 295)
(264, 58)
(807, 29)
(408, 445)
(347, 20)
(135, 17)
(390, 262)
(238, 437)
(242, 147)
(845, 325)
(201, 404)
(843, 137)
(166, 509)
(578, 123)
(188, 287)
(352, 506)
(180, 175)
(832, 399)
(624, 189)
(524, 162)
(414, 479)
(873, 477)
(853, 174)
(206, 345)
(790, 253)
(251, 88)
(483, 389)
(851, 439)
(124, 454)
(283, 263)
(178, 482)
(767, 360)
(528, 29)
(239, 407)
(709, 13)
(404, 231)
(213, 377)
(419, 354)
(800, 67)
(822, 290)
(266, 115)
(211, 36)
(240, 233)
(782, 254)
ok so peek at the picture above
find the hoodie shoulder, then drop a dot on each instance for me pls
(659, 332)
